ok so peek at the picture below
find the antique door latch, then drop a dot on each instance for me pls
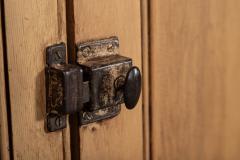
(94, 87)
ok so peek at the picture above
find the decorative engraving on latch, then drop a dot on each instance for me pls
(95, 87)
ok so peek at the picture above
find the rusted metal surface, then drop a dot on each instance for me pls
(105, 69)
(64, 88)
(87, 117)
(95, 87)
(102, 77)
(55, 55)
(54, 90)
(97, 48)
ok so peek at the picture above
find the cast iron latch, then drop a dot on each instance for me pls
(94, 87)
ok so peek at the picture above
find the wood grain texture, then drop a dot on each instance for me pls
(30, 27)
(120, 137)
(4, 143)
(195, 78)
(145, 75)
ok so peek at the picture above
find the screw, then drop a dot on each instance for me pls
(58, 121)
(119, 82)
(86, 51)
(110, 48)
(58, 55)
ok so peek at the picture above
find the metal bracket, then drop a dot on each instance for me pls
(56, 55)
(102, 65)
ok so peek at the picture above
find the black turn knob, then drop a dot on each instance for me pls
(132, 87)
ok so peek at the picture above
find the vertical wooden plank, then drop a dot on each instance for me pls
(4, 143)
(195, 77)
(120, 137)
(31, 26)
(145, 74)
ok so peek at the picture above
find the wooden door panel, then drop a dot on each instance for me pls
(120, 137)
(195, 77)
(30, 27)
(4, 143)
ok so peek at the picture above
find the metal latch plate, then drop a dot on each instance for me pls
(105, 69)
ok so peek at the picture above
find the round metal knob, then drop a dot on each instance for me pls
(132, 87)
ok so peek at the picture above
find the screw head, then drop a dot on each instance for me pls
(58, 121)
(86, 51)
